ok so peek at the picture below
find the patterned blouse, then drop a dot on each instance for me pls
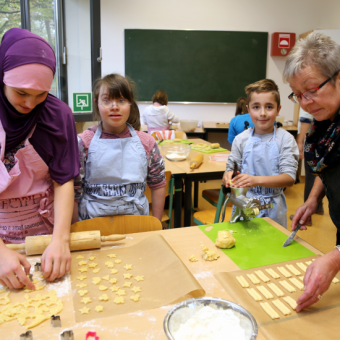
(9, 159)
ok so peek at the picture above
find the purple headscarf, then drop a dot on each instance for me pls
(55, 136)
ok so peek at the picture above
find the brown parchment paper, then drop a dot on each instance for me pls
(320, 321)
(166, 278)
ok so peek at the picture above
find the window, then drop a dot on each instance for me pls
(10, 15)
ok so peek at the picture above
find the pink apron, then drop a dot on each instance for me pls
(26, 195)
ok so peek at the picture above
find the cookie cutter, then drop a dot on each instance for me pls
(67, 335)
(30, 276)
(37, 267)
(26, 336)
(55, 321)
(92, 335)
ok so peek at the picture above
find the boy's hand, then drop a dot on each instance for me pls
(226, 178)
(244, 180)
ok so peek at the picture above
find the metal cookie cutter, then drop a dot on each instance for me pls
(67, 335)
(55, 321)
(37, 267)
(30, 276)
(91, 334)
(26, 336)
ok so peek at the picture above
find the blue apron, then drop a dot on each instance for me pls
(262, 159)
(115, 179)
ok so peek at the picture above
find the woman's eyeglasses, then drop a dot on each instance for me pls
(309, 94)
(121, 103)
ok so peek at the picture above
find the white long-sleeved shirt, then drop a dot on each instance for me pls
(158, 116)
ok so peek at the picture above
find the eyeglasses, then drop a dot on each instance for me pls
(309, 94)
(121, 103)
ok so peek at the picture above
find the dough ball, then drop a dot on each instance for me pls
(225, 239)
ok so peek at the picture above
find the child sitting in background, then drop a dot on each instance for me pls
(117, 160)
(268, 157)
(237, 125)
(158, 116)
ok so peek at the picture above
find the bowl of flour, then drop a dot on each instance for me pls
(209, 319)
(176, 152)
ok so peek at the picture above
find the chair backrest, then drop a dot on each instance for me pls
(120, 224)
(147, 192)
(181, 135)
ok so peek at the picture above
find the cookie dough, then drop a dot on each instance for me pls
(82, 263)
(139, 278)
(273, 273)
(265, 292)
(254, 294)
(114, 289)
(111, 256)
(86, 300)
(127, 284)
(102, 288)
(114, 271)
(92, 258)
(107, 277)
(83, 269)
(284, 272)
(104, 297)
(127, 276)
(262, 275)
(192, 258)
(82, 292)
(96, 280)
(118, 300)
(293, 269)
(113, 280)
(99, 308)
(292, 303)
(84, 310)
(109, 264)
(242, 281)
(96, 270)
(79, 257)
(136, 289)
(128, 266)
(118, 261)
(135, 297)
(281, 307)
(209, 255)
(93, 265)
(225, 239)
(81, 277)
(297, 283)
(276, 290)
(81, 285)
(287, 286)
(269, 310)
(121, 292)
(254, 279)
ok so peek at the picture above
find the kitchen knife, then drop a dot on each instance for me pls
(291, 236)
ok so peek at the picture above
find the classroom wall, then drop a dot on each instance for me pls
(242, 15)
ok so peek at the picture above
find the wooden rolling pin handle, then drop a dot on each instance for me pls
(20, 246)
(112, 238)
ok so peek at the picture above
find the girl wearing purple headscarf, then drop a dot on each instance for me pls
(39, 158)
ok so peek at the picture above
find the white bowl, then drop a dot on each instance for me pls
(176, 152)
(183, 311)
(188, 125)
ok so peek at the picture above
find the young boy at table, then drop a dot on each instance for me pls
(267, 157)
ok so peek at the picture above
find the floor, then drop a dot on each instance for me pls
(321, 234)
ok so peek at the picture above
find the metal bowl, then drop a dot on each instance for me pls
(178, 315)
(176, 152)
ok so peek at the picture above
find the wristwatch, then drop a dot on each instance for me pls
(337, 247)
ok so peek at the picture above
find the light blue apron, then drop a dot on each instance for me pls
(262, 159)
(115, 181)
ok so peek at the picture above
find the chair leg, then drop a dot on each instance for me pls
(221, 199)
(171, 192)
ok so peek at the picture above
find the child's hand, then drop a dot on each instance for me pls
(226, 178)
(244, 180)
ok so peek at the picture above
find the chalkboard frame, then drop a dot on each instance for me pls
(176, 61)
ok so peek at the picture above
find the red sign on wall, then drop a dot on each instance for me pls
(284, 40)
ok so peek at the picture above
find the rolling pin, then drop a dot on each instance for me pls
(36, 245)
(196, 162)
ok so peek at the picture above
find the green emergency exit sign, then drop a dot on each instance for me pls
(82, 102)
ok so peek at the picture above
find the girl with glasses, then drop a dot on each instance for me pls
(117, 160)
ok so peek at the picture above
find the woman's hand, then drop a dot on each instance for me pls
(11, 273)
(318, 278)
(303, 213)
(244, 180)
(56, 259)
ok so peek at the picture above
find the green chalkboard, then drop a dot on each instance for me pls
(195, 66)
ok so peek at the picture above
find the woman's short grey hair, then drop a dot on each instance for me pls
(316, 50)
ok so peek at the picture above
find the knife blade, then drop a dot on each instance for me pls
(291, 236)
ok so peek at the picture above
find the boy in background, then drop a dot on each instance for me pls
(268, 157)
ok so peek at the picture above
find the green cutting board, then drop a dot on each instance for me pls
(258, 243)
(209, 151)
(169, 141)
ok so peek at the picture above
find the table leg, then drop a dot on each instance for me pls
(178, 203)
(196, 183)
(187, 203)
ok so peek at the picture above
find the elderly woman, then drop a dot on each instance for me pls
(313, 72)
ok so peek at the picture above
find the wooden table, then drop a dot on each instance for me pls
(208, 170)
(144, 324)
